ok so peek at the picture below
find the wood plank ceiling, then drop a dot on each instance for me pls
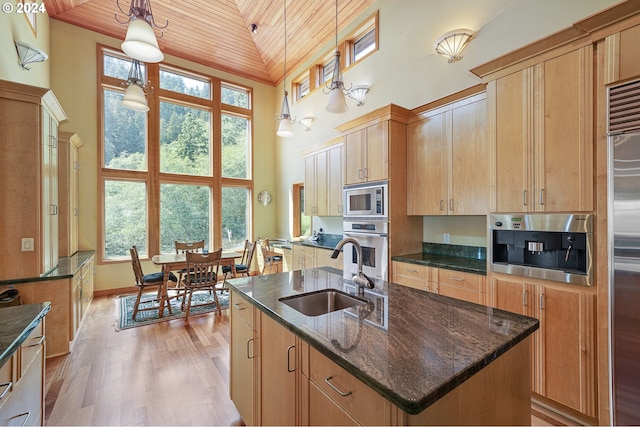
(217, 33)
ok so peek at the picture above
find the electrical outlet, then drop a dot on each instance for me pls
(27, 244)
(446, 237)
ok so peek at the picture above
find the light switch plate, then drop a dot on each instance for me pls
(446, 237)
(27, 244)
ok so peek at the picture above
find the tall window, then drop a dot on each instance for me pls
(182, 171)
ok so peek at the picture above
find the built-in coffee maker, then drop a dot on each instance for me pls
(547, 246)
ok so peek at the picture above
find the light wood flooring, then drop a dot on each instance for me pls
(170, 373)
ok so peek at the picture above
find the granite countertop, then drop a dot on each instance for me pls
(16, 323)
(325, 241)
(450, 262)
(67, 267)
(413, 347)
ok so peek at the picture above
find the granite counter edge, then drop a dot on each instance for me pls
(20, 338)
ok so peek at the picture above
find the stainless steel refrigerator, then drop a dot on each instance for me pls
(624, 214)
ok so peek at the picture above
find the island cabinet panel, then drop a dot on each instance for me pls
(446, 168)
(24, 402)
(279, 370)
(542, 136)
(338, 388)
(564, 347)
(244, 370)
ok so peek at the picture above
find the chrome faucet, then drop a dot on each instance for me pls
(361, 280)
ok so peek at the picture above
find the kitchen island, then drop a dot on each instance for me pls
(421, 358)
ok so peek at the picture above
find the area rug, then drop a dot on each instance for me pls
(125, 308)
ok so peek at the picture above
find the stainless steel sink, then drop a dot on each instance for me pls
(322, 302)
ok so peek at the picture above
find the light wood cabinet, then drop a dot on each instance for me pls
(367, 154)
(446, 167)
(564, 346)
(68, 192)
(451, 283)
(81, 294)
(244, 371)
(29, 118)
(323, 182)
(287, 257)
(622, 59)
(543, 141)
(312, 257)
(279, 370)
(23, 404)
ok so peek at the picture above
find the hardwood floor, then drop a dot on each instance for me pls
(170, 373)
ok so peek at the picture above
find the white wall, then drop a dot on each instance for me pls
(407, 72)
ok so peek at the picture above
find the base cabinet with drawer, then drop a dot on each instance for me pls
(451, 283)
(564, 347)
(22, 401)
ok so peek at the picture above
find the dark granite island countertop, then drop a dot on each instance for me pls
(16, 323)
(413, 348)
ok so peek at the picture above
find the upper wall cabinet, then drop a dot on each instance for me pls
(622, 61)
(447, 171)
(542, 136)
(323, 181)
(29, 118)
(373, 145)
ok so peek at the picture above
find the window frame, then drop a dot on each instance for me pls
(152, 177)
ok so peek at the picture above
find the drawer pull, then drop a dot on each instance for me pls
(239, 306)
(26, 419)
(7, 387)
(456, 279)
(340, 392)
(40, 340)
(249, 356)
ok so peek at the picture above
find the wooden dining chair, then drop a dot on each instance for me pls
(272, 261)
(144, 282)
(244, 267)
(183, 248)
(202, 273)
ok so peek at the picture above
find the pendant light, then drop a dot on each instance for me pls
(135, 95)
(284, 128)
(337, 92)
(140, 42)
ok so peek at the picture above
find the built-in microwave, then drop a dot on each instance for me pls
(368, 200)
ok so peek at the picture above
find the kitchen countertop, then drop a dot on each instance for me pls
(67, 267)
(16, 323)
(450, 262)
(412, 348)
(325, 241)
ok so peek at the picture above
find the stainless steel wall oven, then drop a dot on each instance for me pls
(555, 247)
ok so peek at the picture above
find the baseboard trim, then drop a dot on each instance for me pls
(556, 416)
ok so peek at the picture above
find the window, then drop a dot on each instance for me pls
(327, 70)
(301, 87)
(364, 45)
(180, 172)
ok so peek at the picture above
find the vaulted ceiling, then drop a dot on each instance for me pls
(217, 33)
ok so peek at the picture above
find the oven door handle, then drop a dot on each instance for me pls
(356, 234)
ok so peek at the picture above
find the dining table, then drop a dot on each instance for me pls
(173, 262)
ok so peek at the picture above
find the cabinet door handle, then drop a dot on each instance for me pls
(524, 297)
(359, 173)
(26, 420)
(7, 387)
(441, 205)
(541, 196)
(238, 306)
(40, 340)
(53, 141)
(289, 359)
(451, 204)
(249, 355)
(336, 389)
(542, 301)
(366, 173)
(524, 197)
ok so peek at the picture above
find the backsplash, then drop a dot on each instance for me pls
(475, 252)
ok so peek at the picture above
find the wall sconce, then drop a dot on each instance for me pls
(451, 44)
(29, 54)
(359, 93)
(140, 42)
(135, 95)
(306, 122)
